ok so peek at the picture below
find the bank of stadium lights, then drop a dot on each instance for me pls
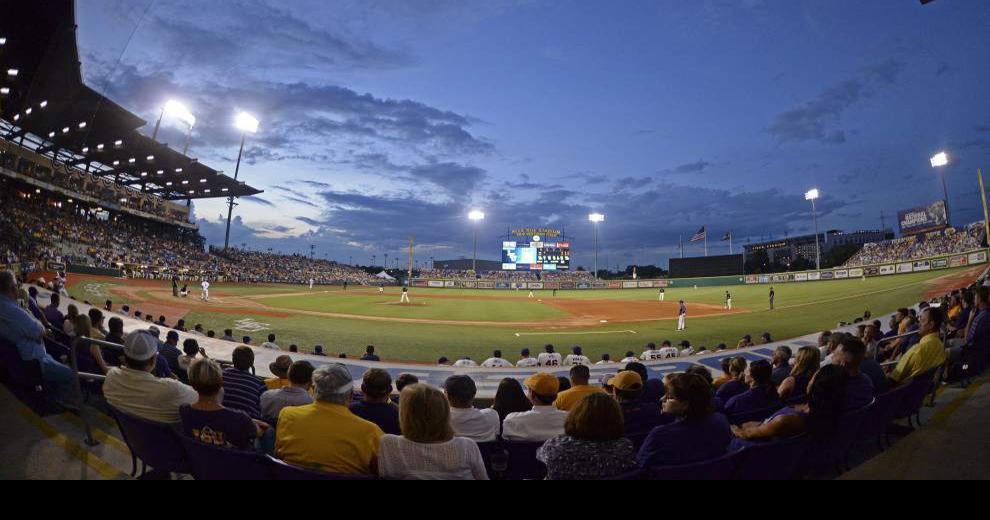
(813, 195)
(43, 104)
(5, 91)
(13, 72)
(596, 219)
(3, 41)
(939, 162)
(247, 124)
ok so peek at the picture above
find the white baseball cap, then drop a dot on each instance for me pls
(140, 346)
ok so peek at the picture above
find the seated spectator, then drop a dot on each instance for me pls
(170, 350)
(325, 435)
(134, 390)
(737, 385)
(496, 361)
(928, 354)
(761, 394)
(25, 333)
(296, 394)
(242, 389)
(198, 330)
(639, 417)
(246, 340)
(428, 448)
(544, 421)
(108, 306)
(443, 362)
(526, 361)
(859, 388)
(405, 380)
(807, 364)
(125, 310)
(820, 417)
(465, 363)
(606, 360)
(565, 384)
(115, 334)
(369, 354)
(228, 335)
(89, 355)
(69, 323)
(270, 344)
(376, 406)
(781, 364)
(652, 388)
(318, 351)
(207, 420)
(576, 357)
(293, 349)
(510, 398)
(280, 369)
(161, 322)
(190, 351)
(698, 434)
(726, 362)
(580, 378)
(180, 325)
(54, 316)
(593, 446)
(96, 319)
(467, 421)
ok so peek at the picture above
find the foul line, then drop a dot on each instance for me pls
(520, 334)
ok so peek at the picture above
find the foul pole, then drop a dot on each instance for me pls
(983, 198)
(412, 241)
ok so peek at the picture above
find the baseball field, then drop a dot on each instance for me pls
(471, 323)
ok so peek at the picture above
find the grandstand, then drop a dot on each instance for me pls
(95, 214)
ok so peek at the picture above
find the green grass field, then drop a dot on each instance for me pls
(802, 308)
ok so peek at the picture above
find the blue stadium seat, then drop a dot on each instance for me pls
(775, 460)
(829, 453)
(283, 471)
(214, 463)
(721, 468)
(914, 397)
(879, 417)
(754, 416)
(154, 444)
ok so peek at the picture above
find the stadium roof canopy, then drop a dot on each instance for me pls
(44, 105)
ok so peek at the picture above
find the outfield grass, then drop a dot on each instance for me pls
(801, 309)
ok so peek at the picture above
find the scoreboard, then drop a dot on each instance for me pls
(536, 255)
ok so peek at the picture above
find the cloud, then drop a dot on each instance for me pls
(258, 200)
(816, 120)
(695, 167)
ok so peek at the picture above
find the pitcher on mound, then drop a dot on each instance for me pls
(405, 296)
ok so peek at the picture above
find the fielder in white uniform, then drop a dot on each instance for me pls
(682, 317)
(206, 291)
(550, 358)
(663, 294)
(311, 284)
(405, 296)
(465, 363)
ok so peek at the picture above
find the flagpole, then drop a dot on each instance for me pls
(706, 243)
(730, 243)
(680, 243)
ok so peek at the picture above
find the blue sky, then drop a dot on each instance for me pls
(386, 119)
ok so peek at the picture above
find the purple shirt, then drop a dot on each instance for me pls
(752, 400)
(979, 331)
(641, 418)
(730, 390)
(684, 442)
(859, 392)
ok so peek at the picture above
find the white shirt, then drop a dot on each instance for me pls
(465, 363)
(650, 355)
(603, 362)
(550, 360)
(496, 363)
(477, 425)
(457, 459)
(270, 346)
(206, 286)
(527, 362)
(539, 424)
(669, 353)
(574, 359)
(630, 360)
(143, 395)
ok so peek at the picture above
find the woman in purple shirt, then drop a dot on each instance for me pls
(736, 386)
(808, 360)
(699, 434)
(762, 395)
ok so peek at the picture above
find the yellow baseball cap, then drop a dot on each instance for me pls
(626, 381)
(543, 384)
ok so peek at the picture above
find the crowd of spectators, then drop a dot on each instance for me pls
(937, 243)
(508, 276)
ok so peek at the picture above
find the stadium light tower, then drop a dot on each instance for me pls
(939, 162)
(475, 216)
(813, 195)
(247, 124)
(177, 110)
(596, 219)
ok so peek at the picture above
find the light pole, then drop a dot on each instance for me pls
(475, 216)
(813, 195)
(939, 162)
(595, 219)
(247, 124)
(178, 110)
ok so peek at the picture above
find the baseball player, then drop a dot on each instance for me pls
(496, 361)
(663, 294)
(527, 361)
(773, 295)
(650, 352)
(550, 358)
(206, 290)
(728, 301)
(405, 295)
(576, 358)
(311, 281)
(682, 317)
(381, 288)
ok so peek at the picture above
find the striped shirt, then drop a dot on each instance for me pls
(242, 391)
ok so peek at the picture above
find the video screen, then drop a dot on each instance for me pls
(536, 256)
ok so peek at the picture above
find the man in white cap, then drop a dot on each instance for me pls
(134, 389)
(326, 434)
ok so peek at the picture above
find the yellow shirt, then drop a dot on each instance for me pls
(928, 354)
(277, 384)
(570, 398)
(328, 437)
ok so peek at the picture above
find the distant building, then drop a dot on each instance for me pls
(787, 250)
(464, 264)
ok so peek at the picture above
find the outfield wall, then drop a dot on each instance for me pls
(978, 257)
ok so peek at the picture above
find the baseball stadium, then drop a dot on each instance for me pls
(138, 342)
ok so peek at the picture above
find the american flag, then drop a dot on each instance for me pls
(702, 234)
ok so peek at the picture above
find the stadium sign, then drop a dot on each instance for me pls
(978, 258)
(958, 261)
(905, 267)
(801, 277)
(941, 263)
(855, 273)
(537, 233)
(888, 269)
(923, 265)
(924, 219)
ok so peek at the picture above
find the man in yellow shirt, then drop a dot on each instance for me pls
(580, 376)
(325, 435)
(928, 354)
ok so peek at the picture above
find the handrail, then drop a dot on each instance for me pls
(901, 336)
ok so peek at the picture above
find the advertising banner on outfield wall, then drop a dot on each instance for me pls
(584, 285)
(536, 285)
(450, 284)
(856, 273)
(599, 285)
(566, 285)
(420, 283)
(827, 275)
(764, 278)
(941, 263)
(801, 277)
(630, 285)
(615, 285)
(923, 265)
(552, 285)
(645, 285)
(486, 285)
(842, 273)
(905, 267)
(978, 258)
(888, 269)
(502, 285)
(470, 285)
(814, 276)
(436, 284)
(752, 279)
(958, 261)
